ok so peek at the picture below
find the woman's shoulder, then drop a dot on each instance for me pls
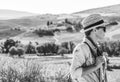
(81, 45)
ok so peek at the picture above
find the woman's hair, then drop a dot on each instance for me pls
(87, 33)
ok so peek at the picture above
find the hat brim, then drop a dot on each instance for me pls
(103, 24)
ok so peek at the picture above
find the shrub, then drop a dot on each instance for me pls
(68, 21)
(16, 51)
(8, 44)
(111, 47)
(56, 30)
(48, 49)
(20, 51)
(69, 46)
(30, 49)
(69, 29)
(62, 51)
(77, 26)
(41, 32)
(39, 49)
(52, 48)
(13, 51)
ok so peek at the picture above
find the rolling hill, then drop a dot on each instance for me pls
(13, 14)
(36, 20)
(27, 20)
(108, 10)
(110, 13)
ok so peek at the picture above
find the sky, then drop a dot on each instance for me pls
(54, 6)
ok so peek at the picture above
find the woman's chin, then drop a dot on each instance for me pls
(101, 39)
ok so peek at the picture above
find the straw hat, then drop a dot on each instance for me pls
(93, 21)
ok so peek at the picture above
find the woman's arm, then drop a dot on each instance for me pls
(89, 69)
(80, 57)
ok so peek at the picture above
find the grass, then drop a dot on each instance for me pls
(113, 76)
(29, 70)
(10, 33)
(41, 69)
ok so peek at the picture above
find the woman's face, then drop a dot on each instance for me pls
(100, 33)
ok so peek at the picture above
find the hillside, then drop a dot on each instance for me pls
(114, 34)
(25, 23)
(34, 20)
(109, 10)
(110, 13)
(13, 14)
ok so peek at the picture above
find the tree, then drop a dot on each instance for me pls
(78, 26)
(8, 44)
(69, 29)
(48, 23)
(67, 21)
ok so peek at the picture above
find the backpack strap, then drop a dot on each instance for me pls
(93, 53)
(98, 54)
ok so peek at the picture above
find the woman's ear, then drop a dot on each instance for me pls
(94, 30)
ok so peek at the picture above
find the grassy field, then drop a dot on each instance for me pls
(40, 69)
(11, 33)
(29, 70)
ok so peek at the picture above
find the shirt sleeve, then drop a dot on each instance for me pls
(79, 58)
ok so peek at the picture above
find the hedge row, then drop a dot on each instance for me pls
(54, 49)
(111, 47)
(41, 32)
